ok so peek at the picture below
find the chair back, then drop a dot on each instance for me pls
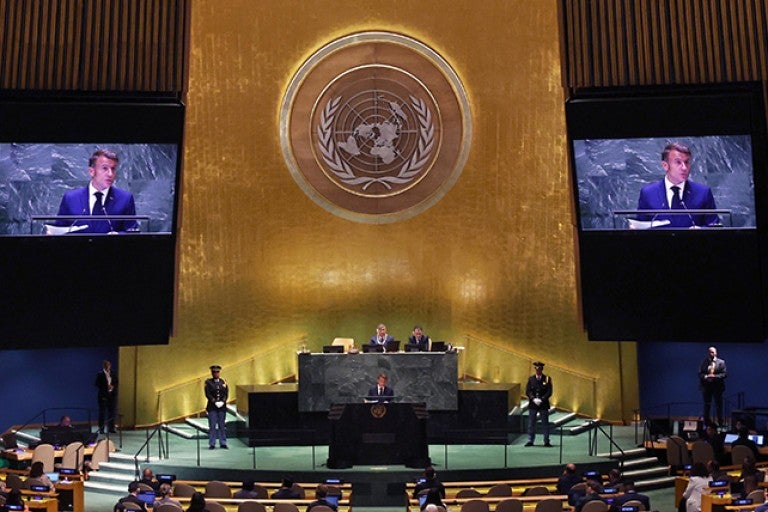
(702, 452)
(214, 506)
(468, 493)
(739, 453)
(347, 343)
(300, 491)
(261, 492)
(217, 489)
(74, 456)
(510, 505)
(595, 506)
(321, 508)
(182, 490)
(251, 506)
(166, 507)
(145, 488)
(635, 503)
(549, 505)
(757, 496)
(677, 452)
(128, 505)
(44, 453)
(499, 490)
(14, 482)
(475, 506)
(285, 506)
(101, 453)
(536, 490)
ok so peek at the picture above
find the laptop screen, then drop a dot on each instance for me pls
(147, 497)
(393, 345)
(333, 500)
(437, 346)
(422, 500)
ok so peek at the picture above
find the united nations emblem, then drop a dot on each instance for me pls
(378, 411)
(375, 127)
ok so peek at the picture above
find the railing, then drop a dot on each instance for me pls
(162, 450)
(482, 357)
(176, 401)
(597, 428)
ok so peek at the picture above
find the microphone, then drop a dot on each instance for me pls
(693, 223)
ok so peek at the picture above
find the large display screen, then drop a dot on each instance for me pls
(78, 268)
(34, 178)
(611, 173)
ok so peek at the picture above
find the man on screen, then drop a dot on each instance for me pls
(676, 192)
(99, 198)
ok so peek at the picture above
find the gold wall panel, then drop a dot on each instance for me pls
(262, 266)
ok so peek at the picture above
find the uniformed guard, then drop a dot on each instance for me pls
(217, 393)
(538, 390)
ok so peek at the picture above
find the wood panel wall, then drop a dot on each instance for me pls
(652, 42)
(94, 45)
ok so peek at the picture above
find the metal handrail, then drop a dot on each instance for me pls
(162, 450)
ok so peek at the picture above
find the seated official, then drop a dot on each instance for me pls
(37, 476)
(132, 497)
(320, 494)
(593, 494)
(430, 482)
(381, 337)
(381, 392)
(164, 497)
(419, 339)
(286, 491)
(630, 494)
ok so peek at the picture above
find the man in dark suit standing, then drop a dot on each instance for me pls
(676, 192)
(629, 495)
(99, 198)
(216, 393)
(106, 383)
(712, 374)
(381, 392)
(538, 390)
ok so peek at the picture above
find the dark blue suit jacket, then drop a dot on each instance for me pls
(423, 344)
(695, 197)
(374, 339)
(386, 395)
(117, 202)
(621, 499)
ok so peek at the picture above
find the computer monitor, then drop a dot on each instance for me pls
(166, 479)
(9, 441)
(333, 349)
(39, 488)
(410, 347)
(392, 346)
(147, 497)
(629, 508)
(373, 348)
(438, 346)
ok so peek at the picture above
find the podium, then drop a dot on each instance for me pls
(699, 214)
(378, 433)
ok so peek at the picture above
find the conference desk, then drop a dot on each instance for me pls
(26, 454)
(428, 377)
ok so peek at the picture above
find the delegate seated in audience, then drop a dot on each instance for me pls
(286, 491)
(65, 421)
(697, 483)
(37, 476)
(593, 494)
(749, 479)
(713, 468)
(133, 497)
(568, 479)
(715, 440)
(148, 478)
(630, 494)
(320, 494)
(430, 482)
(165, 491)
(14, 498)
(197, 503)
(615, 480)
(248, 491)
(744, 440)
(433, 499)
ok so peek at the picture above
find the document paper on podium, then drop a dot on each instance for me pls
(646, 224)
(59, 230)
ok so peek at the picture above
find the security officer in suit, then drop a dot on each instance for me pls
(217, 393)
(538, 390)
(712, 374)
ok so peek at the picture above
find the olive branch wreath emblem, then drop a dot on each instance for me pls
(341, 168)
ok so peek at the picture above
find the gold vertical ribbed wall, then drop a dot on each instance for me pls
(93, 45)
(651, 42)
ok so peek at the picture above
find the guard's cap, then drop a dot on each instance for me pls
(538, 364)
(215, 368)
